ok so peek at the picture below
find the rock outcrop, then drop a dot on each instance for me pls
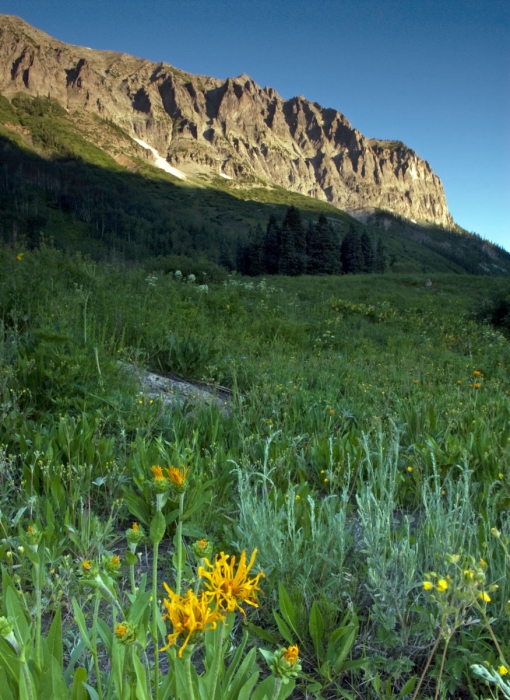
(232, 127)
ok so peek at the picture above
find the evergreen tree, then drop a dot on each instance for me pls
(288, 261)
(272, 243)
(368, 252)
(351, 253)
(256, 264)
(294, 222)
(322, 249)
(380, 264)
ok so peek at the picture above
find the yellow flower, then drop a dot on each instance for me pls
(416, 381)
(502, 670)
(409, 469)
(158, 473)
(120, 630)
(331, 412)
(291, 655)
(477, 385)
(477, 373)
(442, 585)
(228, 586)
(19, 256)
(459, 381)
(86, 565)
(428, 586)
(188, 615)
(177, 476)
(485, 597)
(135, 527)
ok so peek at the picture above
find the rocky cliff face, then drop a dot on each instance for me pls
(234, 127)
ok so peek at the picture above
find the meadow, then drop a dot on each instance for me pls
(364, 459)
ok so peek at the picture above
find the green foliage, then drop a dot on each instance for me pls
(366, 437)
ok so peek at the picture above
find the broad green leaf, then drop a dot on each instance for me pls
(283, 628)
(345, 647)
(138, 608)
(316, 627)
(286, 690)
(262, 633)
(78, 691)
(51, 683)
(82, 625)
(245, 669)
(245, 692)
(264, 690)
(141, 679)
(15, 612)
(5, 689)
(286, 607)
(408, 687)
(231, 670)
(55, 640)
(106, 635)
(158, 527)
(9, 660)
(91, 691)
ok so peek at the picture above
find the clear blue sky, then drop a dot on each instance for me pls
(432, 73)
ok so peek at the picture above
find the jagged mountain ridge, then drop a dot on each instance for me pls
(230, 127)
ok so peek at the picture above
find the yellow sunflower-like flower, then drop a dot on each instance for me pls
(189, 615)
(230, 587)
(427, 585)
(485, 597)
(157, 473)
(291, 655)
(177, 478)
(442, 585)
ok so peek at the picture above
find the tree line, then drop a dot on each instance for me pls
(288, 248)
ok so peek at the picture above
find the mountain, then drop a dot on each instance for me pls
(107, 154)
(229, 127)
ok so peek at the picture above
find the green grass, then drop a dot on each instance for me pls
(369, 438)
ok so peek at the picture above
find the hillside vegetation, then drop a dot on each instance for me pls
(366, 459)
(68, 177)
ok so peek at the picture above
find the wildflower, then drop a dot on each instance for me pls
(427, 585)
(416, 381)
(284, 663)
(202, 548)
(228, 586)
(126, 632)
(19, 256)
(409, 469)
(485, 597)
(111, 564)
(502, 670)
(177, 478)
(33, 537)
(469, 575)
(188, 616)
(442, 585)
(495, 532)
(459, 381)
(89, 570)
(331, 411)
(477, 385)
(291, 655)
(477, 373)
(134, 535)
(160, 484)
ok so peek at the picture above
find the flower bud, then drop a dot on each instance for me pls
(111, 564)
(126, 632)
(159, 482)
(202, 549)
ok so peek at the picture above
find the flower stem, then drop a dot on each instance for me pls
(277, 688)
(493, 636)
(132, 578)
(94, 647)
(38, 613)
(431, 656)
(187, 668)
(155, 613)
(179, 546)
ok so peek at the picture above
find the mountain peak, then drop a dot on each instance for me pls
(233, 126)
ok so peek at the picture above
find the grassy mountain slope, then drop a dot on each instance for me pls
(86, 183)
